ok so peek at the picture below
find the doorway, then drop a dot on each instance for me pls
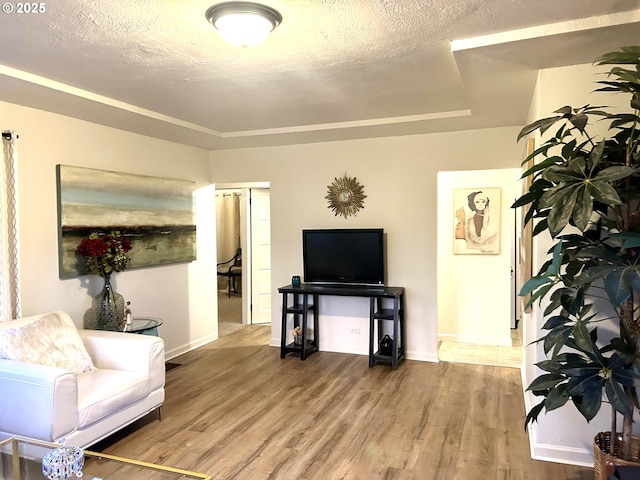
(475, 299)
(229, 258)
(243, 224)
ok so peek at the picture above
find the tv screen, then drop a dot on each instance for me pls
(344, 256)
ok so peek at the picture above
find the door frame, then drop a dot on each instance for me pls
(245, 239)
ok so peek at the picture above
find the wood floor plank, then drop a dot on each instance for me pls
(237, 411)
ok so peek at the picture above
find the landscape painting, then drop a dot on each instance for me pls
(155, 214)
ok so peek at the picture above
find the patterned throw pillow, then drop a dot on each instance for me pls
(47, 341)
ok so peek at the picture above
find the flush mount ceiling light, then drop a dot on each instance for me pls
(244, 24)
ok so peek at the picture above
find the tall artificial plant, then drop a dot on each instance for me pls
(585, 192)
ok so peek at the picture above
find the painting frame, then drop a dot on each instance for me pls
(477, 220)
(156, 214)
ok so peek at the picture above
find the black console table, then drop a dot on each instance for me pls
(386, 304)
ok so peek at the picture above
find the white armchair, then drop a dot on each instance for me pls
(67, 397)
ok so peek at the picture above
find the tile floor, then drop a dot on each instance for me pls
(484, 354)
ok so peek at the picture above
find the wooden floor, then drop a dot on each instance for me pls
(235, 410)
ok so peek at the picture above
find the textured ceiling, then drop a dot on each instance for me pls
(334, 69)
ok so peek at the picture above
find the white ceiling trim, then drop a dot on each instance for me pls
(548, 30)
(94, 97)
(350, 124)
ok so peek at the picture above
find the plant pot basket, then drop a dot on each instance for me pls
(604, 464)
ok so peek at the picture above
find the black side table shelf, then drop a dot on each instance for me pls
(386, 315)
(299, 310)
(379, 318)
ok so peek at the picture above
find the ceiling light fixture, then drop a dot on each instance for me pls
(244, 24)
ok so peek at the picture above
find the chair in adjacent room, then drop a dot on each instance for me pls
(232, 269)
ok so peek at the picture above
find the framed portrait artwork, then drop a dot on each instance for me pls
(476, 213)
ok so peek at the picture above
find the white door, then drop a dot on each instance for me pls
(260, 256)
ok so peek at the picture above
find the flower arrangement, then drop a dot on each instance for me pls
(105, 253)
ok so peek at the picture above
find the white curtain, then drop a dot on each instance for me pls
(9, 258)
(227, 228)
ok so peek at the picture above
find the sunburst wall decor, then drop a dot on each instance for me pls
(345, 196)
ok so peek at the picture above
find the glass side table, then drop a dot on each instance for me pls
(144, 325)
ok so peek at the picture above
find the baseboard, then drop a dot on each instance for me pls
(174, 352)
(493, 341)
(422, 356)
(410, 355)
(582, 457)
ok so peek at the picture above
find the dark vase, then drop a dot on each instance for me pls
(108, 308)
(386, 345)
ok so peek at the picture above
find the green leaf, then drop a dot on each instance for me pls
(561, 211)
(554, 321)
(596, 154)
(631, 239)
(556, 259)
(539, 294)
(579, 166)
(626, 55)
(626, 377)
(532, 416)
(617, 286)
(590, 275)
(533, 283)
(559, 173)
(542, 124)
(618, 399)
(554, 195)
(623, 119)
(556, 398)
(526, 198)
(541, 150)
(567, 149)
(612, 174)
(582, 337)
(556, 339)
(545, 382)
(588, 404)
(565, 111)
(540, 227)
(603, 192)
(542, 165)
(582, 209)
(579, 121)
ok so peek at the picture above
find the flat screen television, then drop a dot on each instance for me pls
(344, 256)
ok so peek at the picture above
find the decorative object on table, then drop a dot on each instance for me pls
(295, 281)
(345, 196)
(591, 184)
(160, 212)
(128, 318)
(297, 335)
(386, 345)
(105, 254)
(63, 462)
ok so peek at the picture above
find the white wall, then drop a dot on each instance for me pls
(562, 435)
(474, 291)
(399, 179)
(183, 295)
